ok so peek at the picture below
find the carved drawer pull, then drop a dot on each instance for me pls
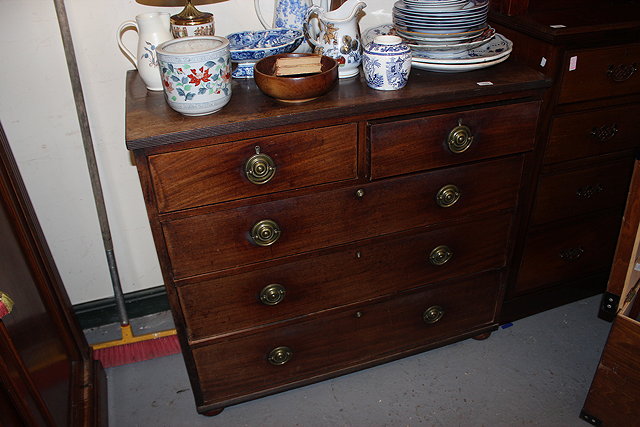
(621, 72)
(440, 255)
(447, 196)
(604, 133)
(589, 191)
(572, 254)
(272, 294)
(265, 232)
(280, 355)
(259, 168)
(433, 314)
(460, 138)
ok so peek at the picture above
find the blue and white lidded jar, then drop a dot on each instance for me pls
(386, 63)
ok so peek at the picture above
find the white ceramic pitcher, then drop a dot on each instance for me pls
(153, 29)
(339, 35)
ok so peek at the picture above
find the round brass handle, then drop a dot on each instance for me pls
(265, 232)
(440, 255)
(433, 314)
(272, 294)
(460, 138)
(259, 168)
(280, 355)
(447, 196)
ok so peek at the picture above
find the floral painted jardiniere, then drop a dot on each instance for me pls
(196, 74)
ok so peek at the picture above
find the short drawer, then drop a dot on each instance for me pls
(354, 274)
(210, 242)
(600, 72)
(567, 251)
(591, 133)
(404, 146)
(566, 194)
(325, 344)
(235, 170)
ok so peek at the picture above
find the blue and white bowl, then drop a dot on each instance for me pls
(248, 47)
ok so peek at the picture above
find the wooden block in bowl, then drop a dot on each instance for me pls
(297, 65)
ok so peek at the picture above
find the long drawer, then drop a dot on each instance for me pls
(600, 72)
(570, 193)
(347, 276)
(210, 242)
(235, 170)
(412, 145)
(240, 365)
(591, 133)
(568, 251)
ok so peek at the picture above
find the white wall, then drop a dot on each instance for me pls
(38, 114)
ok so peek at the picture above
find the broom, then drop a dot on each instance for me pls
(129, 348)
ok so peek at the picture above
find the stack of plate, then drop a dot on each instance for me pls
(449, 35)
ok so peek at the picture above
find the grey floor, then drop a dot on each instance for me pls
(535, 373)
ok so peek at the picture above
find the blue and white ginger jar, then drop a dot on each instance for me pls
(386, 63)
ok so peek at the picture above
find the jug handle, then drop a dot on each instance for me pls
(256, 5)
(305, 26)
(123, 48)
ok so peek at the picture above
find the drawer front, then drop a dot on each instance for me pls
(566, 194)
(418, 144)
(598, 73)
(205, 243)
(218, 173)
(336, 341)
(568, 251)
(358, 273)
(592, 133)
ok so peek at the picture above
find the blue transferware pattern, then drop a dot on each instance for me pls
(248, 47)
(386, 63)
(290, 14)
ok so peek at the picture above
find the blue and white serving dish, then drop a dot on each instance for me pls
(248, 47)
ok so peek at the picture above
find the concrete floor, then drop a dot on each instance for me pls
(535, 373)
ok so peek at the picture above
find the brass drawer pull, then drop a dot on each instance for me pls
(589, 191)
(572, 254)
(604, 133)
(460, 138)
(280, 355)
(440, 255)
(360, 193)
(259, 168)
(272, 294)
(433, 314)
(265, 232)
(621, 72)
(447, 196)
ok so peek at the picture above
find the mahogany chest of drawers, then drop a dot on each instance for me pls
(589, 131)
(303, 241)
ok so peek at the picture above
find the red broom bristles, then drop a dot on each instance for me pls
(137, 352)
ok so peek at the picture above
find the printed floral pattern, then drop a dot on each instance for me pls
(187, 83)
(150, 54)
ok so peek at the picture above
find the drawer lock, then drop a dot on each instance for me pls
(433, 314)
(265, 232)
(272, 294)
(460, 138)
(440, 255)
(572, 254)
(447, 196)
(259, 168)
(280, 355)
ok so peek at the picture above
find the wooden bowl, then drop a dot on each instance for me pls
(295, 88)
